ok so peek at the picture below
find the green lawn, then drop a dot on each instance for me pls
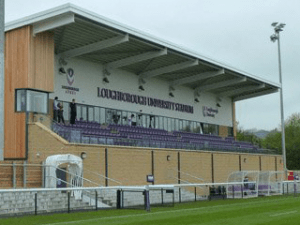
(267, 210)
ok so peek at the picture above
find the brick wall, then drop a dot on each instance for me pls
(131, 165)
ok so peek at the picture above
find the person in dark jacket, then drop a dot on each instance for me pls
(55, 109)
(73, 111)
(60, 114)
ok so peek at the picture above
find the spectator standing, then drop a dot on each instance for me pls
(73, 111)
(130, 120)
(60, 113)
(55, 108)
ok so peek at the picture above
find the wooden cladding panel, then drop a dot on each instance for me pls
(17, 52)
(43, 62)
(29, 63)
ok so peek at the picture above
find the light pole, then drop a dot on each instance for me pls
(276, 37)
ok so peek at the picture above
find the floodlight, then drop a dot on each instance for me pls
(171, 94)
(274, 24)
(105, 80)
(141, 88)
(273, 37)
(281, 25)
(62, 70)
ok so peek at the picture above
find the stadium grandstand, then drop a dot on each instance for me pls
(147, 111)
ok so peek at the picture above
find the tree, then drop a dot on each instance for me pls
(243, 135)
(292, 141)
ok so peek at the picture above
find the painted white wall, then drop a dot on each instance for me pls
(88, 77)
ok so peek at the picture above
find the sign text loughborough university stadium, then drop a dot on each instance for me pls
(142, 100)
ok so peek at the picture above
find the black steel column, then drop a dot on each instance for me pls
(106, 167)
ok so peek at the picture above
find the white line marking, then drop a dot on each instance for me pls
(162, 212)
(285, 213)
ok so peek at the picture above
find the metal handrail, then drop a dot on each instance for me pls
(180, 171)
(104, 177)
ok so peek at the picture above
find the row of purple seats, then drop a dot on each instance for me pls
(153, 137)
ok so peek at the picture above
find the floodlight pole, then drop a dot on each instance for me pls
(274, 37)
(2, 19)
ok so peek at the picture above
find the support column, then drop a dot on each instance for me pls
(2, 19)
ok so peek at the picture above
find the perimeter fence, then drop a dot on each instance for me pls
(65, 200)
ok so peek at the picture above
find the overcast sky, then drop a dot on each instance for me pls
(234, 32)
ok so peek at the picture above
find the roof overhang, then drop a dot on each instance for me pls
(86, 35)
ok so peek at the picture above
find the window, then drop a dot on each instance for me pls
(177, 124)
(83, 113)
(230, 131)
(21, 100)
(125, 118)
(102, 116)
(165, 123)
(27, 100)
(161, 123)
(91, 113)
(156, 118)
(97, 114)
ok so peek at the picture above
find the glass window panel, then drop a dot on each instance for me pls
(165, 123)
(180, 125)
(37, 101)
(91, 114)
(156, 119)
(194, 127)
(125, 118)
(198, 128)
(139, 119)
(176, 124)
(144, 121)
(152, 121)
(205, 128)
(84, 113)
(102, 116)
(78, 108)
(172, 124)
(161, 123)
(147, 121)
(119, 115)
(134, 118)
(21, 100)
(168, 124)
(184, 125)
(97, 114)
(66, 112)
(111, 116)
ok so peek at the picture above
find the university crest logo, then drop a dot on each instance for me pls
(70, 76)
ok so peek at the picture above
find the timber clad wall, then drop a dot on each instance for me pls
(29, 63)
(17, 52)
(42, 63)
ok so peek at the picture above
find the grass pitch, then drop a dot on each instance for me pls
(267, 210)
